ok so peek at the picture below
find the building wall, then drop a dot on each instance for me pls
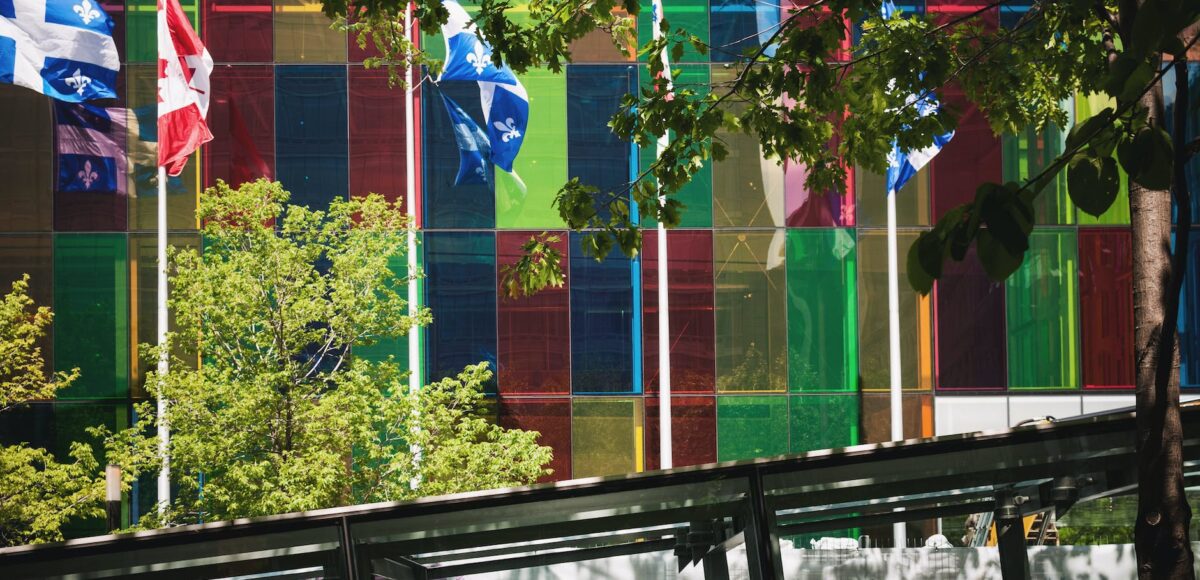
(778, 294)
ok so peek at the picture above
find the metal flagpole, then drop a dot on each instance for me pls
(898, 529)
(664, 312)
(164, 431)
(410, 208)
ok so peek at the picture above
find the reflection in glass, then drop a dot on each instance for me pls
(915, 319)
(751, 311)
(606, 436)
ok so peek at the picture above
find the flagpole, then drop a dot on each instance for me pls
(164, 431)
(410, 209)
(898, 529)
(665, 451)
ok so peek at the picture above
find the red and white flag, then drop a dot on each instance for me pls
(183, 89)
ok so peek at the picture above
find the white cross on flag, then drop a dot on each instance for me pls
(183, 89)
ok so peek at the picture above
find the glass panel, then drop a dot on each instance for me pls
(912, 202)
(917, 411)
(970, 327)
(26, 160)
(302, 34)
(377, 135)
(1042, 314)
(749, 427)
(1026, 155)
(595, 155)
(943, 11)
(1189, 323)
(143, 322)
(549, 417)
(597, 46)
(462, 296)
(310, 131)
(91, 317)
(822, 310)
(395, 347)
(696, 195)
(447, 205)
(693, 431)
(690, 276)
(542, 162)
(971, 159)
(91, 183)
(1193, 125)
(32, 255)
(1118, 213)
(915, 319)
(601, 322)
(535, 331)
(238, 30)
(747, 189)
(116, 10)
(814, 209)
(142, 145)
(606, 436)
(1106, 308)
(141, 28)
(751, 312)
(690, 15)
(739, 27)
(823, 421)
(242, 120)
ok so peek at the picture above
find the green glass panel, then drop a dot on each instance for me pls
(143, 324)
(912, 202)
(182, 191)
(606, 436)
(91, 316)
(823, 421)
(751, 306)
(915, 317)
(303, 34)
(696, 196)
(822, 310)
(690, 15)
(141, 28)
(747, 189)
(1118, 213)
(396, 347)
(1043, 307)
(1025, 155)
(542, 163)
(749, 427)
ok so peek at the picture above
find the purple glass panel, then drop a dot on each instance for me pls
(534, 331)
(971, 345)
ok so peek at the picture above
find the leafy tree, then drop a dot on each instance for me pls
(811, 98)
(281, 415)
(39, 494)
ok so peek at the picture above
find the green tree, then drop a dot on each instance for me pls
(811, 101)
(39, 494)
(280, 415)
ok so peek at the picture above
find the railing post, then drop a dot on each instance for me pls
(349, 562)
(762, 545)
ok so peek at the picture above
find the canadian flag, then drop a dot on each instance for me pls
(183, 89)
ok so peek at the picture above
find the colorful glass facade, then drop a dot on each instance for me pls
(778, 295)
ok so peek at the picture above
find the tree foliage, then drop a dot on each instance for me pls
(40, 493)
(281, 415)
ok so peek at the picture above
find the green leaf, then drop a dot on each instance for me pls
(997, 261)
(1087, 130)
(1153, 149)
(920, 279)
(1147, 29)
(1093, 183)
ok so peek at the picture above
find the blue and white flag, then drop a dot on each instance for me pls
(903, 165)
(474, 150)
(90, 142)
(504, 100)
(61, 48)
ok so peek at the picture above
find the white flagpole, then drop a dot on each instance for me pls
(410, 176)
(898, 529)
(164, 431)
(665, 452)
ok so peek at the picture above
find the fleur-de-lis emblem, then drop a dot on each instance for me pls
(86, 11)
(509, 128)
(78, 81)
(87, 176)
(479, 58)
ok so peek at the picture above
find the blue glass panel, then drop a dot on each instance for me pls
(461, 292)
(594, 155)
(310, 133)
(601, 322)
(738, 26)
(1193, 127)
(1189, 318)
(447, 205)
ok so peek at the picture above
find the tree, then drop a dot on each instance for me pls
(39, 494)
(810, 97)
(282, 414)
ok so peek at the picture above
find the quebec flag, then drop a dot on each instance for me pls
(474, 151)
(61, 48)
(90, 142)
(903, 165)
(505, 102)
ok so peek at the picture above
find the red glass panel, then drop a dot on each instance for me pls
(551, 418)
(242, 120)
(1106, 307)
(693, 431)
(534, 331)
(970, 159)
(238, 30)
(377, 146)
(971, 344)
(690, 268)
(944, 11)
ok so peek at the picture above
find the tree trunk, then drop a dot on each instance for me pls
(1161, 531)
